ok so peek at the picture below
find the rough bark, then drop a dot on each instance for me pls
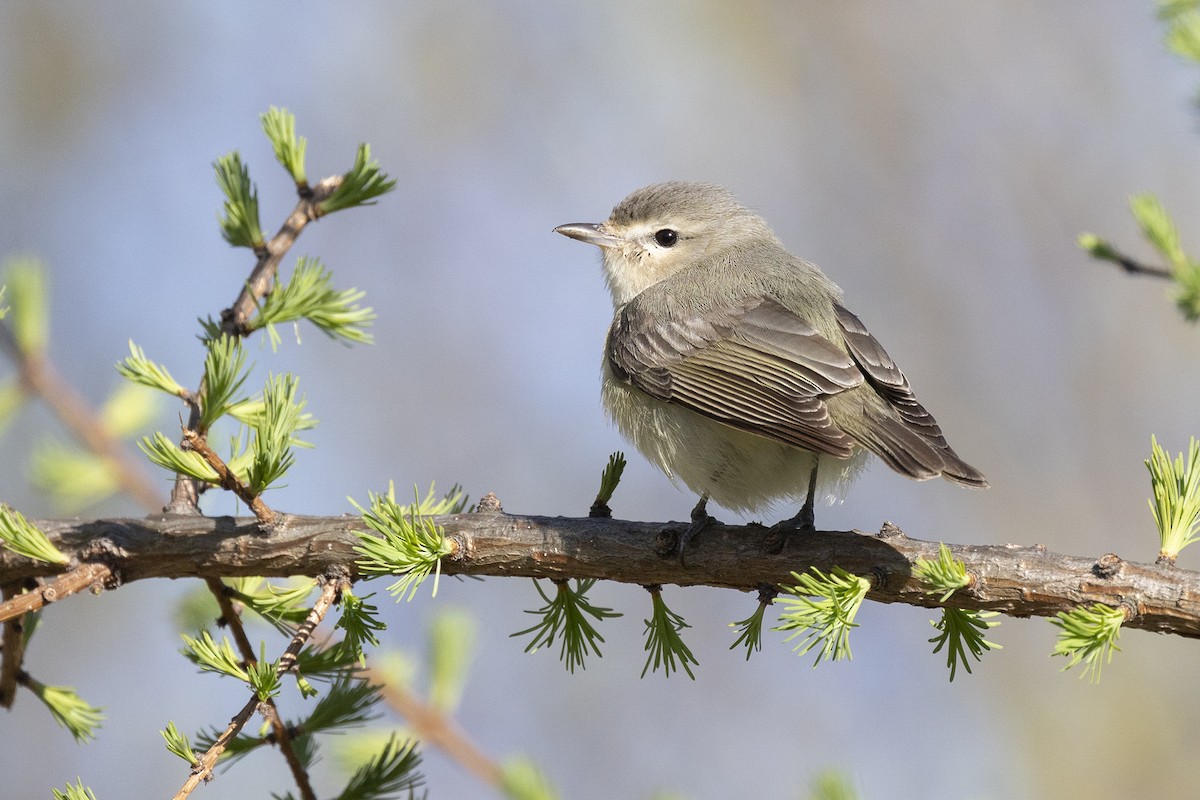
(1018, 581)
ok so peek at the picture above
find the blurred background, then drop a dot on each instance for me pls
(936, 158)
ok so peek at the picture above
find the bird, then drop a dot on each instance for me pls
(734, 367)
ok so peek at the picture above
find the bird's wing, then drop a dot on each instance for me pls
(755, 366)
(910, 441)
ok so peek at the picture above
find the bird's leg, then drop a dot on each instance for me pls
(700, 521)
(805, 520)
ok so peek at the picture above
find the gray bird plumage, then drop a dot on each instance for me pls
(733, 365)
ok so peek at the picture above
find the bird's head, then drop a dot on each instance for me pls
(664, 228)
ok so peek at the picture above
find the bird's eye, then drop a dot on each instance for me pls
(666, 237)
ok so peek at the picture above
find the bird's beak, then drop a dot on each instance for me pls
(589, 232)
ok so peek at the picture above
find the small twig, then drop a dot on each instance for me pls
(258, 286)
(330, 589)
(186, 492)
(12, 653)
(1135, 267)
(435, 728)
(283, 737)
(202, 769)
(82, 577)
(233, 620)
(228, 480)
(40, 378)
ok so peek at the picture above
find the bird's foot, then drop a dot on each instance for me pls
(777, 534)
(700, 520)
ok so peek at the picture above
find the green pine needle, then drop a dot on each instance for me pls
(961, 632)
(348, 703)
(832, 785)
(271, 450)
(25, 277)
(225, 372)
(128, 409)
(610, 477)
(69, 709)
(168, 455)
(177, 743)
(239, 224)
(20, 536)
(251, 413)
(451, 648)
(360, 186)
(823, 607)
(141, 370)
(279, 125)
(946, 575)
(326, 663)
(520, 779)
(1099, 248)
(392, 771)
(359, 623)
(283, 607)
(76, 792)
(566, 617)
(408, 544)
(75, 478)
(209, 656)
(263, 675)
(1088, 635)
(750, 629)
(1158, 228)
(309, 294)
(664, 646)
(1176, 503)
(12, 397)
(1183, 27)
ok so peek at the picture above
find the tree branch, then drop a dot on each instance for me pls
(435, 728)
(1018, 581)
(1134, 267)
(283, 737)
(194, 441)
(258, 285)
(202, 770)
(40, 378)
(91, 575)
(186, 491)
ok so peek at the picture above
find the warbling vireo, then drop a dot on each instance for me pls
(733, 366)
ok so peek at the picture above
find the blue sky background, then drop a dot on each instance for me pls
(937, 159)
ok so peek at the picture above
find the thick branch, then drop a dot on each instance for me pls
(1019, 581)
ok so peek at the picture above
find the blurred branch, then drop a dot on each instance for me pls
(1014, 580)
(40, 378)
(434, 727)
(1134, 267)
